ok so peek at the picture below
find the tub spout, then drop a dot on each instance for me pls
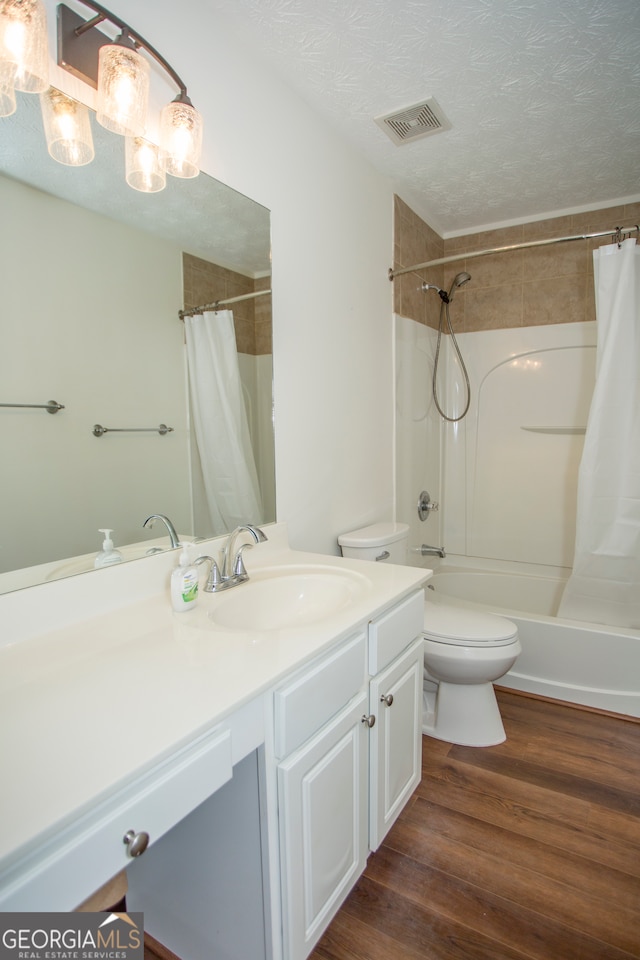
(428, 551)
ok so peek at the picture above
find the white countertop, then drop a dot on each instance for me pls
(86, 708)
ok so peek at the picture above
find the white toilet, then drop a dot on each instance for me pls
(465, 651)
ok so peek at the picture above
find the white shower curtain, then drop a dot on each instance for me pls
(605, 584)
(220, 423)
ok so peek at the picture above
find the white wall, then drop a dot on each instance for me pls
(332, 247)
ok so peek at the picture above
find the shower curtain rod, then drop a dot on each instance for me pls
(618, 233)
(218, 303)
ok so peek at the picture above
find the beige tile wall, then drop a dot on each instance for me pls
(521, 288)
(206, 282)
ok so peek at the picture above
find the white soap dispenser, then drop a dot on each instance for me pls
(184, 582)
(108, 555)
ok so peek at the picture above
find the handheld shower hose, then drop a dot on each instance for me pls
(446, 299)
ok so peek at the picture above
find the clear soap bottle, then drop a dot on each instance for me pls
(108, 555)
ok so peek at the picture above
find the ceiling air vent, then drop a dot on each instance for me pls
(412, 123)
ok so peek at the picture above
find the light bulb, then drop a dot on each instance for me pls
(23, 44)
(144, 165)
(181, 138)
(123, 89)
(67, 128)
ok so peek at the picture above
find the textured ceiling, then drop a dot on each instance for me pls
(543, 95)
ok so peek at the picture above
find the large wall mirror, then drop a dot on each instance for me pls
(94, 275)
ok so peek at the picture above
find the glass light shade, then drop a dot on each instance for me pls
(67, 128)
(7, 90)
(181, 139)
(144, 165)
(24, 44)
(123, 90)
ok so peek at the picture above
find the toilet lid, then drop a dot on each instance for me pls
(446, 624)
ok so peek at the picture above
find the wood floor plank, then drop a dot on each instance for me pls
(485, 913)
(350, 939)
(480, 839)
(528, 887)
(553, 777)
(571, 824)
(432, 936)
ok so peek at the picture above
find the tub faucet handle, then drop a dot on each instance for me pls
(426, 505)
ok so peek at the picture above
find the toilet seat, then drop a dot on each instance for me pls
(456, 626)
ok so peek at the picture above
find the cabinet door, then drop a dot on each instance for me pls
(323, 820)
(396, 739)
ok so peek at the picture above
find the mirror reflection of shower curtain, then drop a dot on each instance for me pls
(605, 584)
(220, 423)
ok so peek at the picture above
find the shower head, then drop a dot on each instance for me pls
(458, 281)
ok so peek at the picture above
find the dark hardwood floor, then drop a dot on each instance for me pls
(530, 849)
(525, 851)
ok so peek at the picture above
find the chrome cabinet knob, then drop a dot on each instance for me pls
(369, 720)
(136, 843)
(388, 699)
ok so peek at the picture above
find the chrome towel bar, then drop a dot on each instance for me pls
(99, 430)
(51, 407)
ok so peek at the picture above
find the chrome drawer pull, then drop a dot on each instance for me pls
(388, 699)
(136, 843)
(369, 720)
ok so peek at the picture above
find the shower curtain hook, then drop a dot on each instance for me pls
(618, 236)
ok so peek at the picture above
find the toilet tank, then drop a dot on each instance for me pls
(380, 541)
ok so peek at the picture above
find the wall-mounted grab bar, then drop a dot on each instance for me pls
(99, 430)
(52, 407)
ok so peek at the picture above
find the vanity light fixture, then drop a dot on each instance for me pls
(121, 76)
(24, 63)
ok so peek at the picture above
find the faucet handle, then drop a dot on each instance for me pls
(239, 569)
(214, 579)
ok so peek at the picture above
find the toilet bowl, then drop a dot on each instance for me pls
(465, 651)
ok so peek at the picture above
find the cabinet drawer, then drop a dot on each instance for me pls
(317, 694)
(393, 631)
(86, 854)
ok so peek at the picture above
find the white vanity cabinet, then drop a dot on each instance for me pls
(322, 783)
(349, 757)
(396, 739)
(396, 652)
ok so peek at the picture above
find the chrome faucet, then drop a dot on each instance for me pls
(229, 565)
(428, 551)
(171, 530)
(232, 566)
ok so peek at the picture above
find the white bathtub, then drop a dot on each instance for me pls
(584, 663)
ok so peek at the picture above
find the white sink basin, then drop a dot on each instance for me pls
(288, 597)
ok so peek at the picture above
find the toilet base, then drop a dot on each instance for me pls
(465, 714)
